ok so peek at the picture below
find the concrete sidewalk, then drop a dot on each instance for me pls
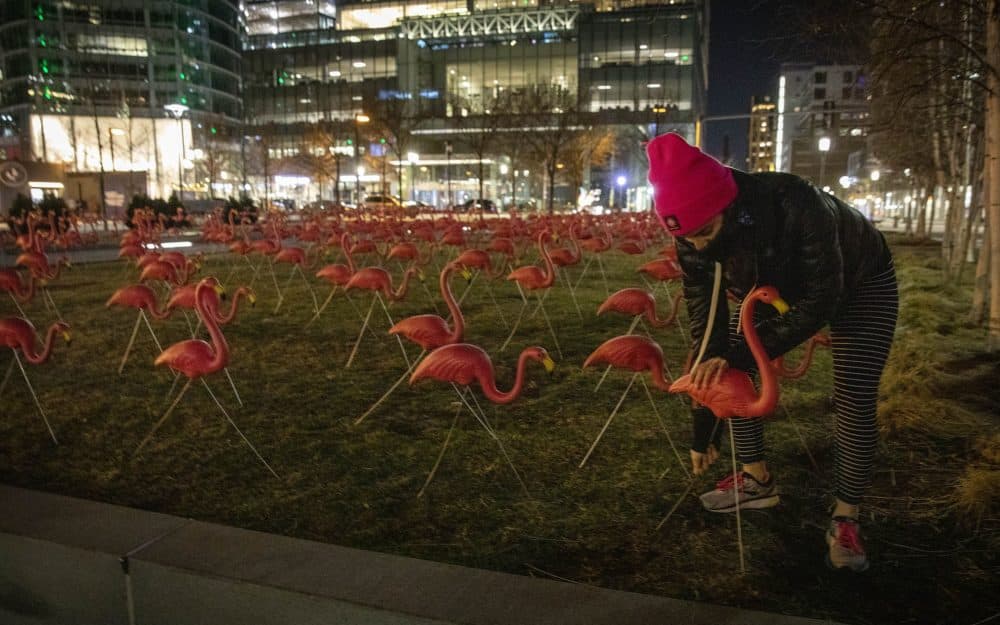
(67, 560)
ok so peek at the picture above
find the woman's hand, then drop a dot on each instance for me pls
(701, 461)
(709, 372)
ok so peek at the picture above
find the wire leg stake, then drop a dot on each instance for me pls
(361, 335)
(493, 435)
(237, 428)
(736, 498)
(17, 359)
(326, 302)
(608, 422)
(128, 348)
(392, 388)
(663, 426)
(6, 377)
(447, 439)
(166, 414)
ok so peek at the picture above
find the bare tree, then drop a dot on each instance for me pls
(592, 147)
(395, 120)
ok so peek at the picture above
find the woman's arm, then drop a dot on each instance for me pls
(816, 251)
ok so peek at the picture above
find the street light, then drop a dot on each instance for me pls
(412, 157)
(178, 110)
(112, 133)
(359, 119)
(447, 152)
(824, 147)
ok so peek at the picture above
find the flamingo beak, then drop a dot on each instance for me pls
(67, 337)
(466, 274)
(252, 298)
(780, 305)
(220, 290)
(420, 274)
(549, 364)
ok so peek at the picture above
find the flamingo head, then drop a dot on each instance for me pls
(63, 328)
(770, 295)
(542, 356)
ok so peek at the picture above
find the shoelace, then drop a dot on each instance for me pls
(727, 482)
(847, 536)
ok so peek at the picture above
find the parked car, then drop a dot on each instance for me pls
(487, 206)
(382, 202)
(414, 208)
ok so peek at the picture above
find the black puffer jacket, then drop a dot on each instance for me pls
(783, 232)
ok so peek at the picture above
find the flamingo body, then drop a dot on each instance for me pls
(734, 395)
(663, 269)
(634, 302)
(137, 296)
(10, 281)
(632, 352)
(195, 358)
(463, 363)
(18, 333)
(431, 331)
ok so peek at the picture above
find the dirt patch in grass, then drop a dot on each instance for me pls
(930, 522)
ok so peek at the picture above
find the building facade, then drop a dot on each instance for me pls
(85, 85)
(454, 83)
(763, 134)
(823, 121)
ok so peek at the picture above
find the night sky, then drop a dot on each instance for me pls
(743, 60)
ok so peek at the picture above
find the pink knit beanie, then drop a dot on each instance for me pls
(689, 187)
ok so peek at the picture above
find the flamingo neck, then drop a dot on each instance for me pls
(24, 291)
(803, 365)
(672, 317)
(403, 286)
(345, 245)
(229, 316)
(154, 310)
(576, 245)
(220, 356)
(458, 329)
(37, 358)
(550, 274)
(489, 386)
(768, 395)
(659, 380)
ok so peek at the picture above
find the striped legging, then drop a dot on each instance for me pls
(861, 335)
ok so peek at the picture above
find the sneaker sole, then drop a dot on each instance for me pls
(753, 504)
(847, 567)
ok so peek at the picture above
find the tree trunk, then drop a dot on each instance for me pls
(992, 180)
(981, 282)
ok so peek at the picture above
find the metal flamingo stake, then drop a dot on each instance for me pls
(17, 359)
(238, 430)
(361, 334)
(608, 422)
(392, 388)
(437, 463)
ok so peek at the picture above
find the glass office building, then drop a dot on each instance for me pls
(334, 82)
(84, 84)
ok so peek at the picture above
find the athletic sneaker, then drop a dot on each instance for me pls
(846, 550)
(752, 494)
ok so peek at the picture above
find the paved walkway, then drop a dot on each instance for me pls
(68, 560)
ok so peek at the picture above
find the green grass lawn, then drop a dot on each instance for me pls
(931, 523)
